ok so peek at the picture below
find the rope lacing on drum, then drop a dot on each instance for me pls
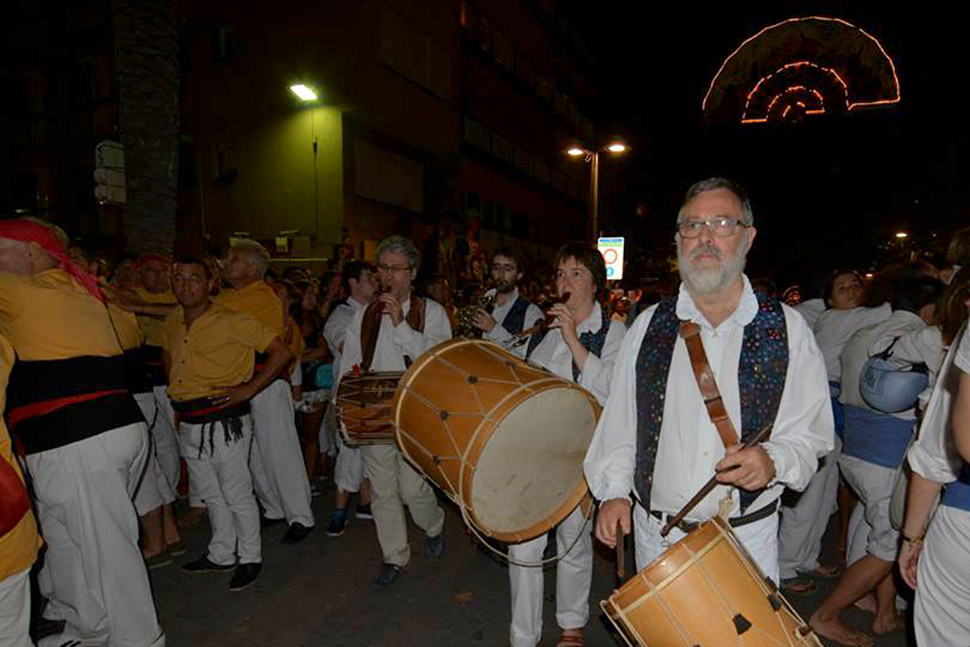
(682, 631)
(459, 497)
(726, 604)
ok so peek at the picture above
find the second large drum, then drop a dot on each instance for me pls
(504, 439)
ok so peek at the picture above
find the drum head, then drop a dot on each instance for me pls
(533, 462)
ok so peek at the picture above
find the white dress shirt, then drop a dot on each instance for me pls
(869, 341)
(834, 327)
(500, 335)
(811, 309)
(394, 342)
(336, 328)
(933, 454)
(554, 355)
(689, 444)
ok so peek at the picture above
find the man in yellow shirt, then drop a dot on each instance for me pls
(276, 460)
(84, 439)
(18, 531)
(209, 353)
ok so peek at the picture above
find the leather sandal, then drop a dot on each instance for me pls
(571, 638)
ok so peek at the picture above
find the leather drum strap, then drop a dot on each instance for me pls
(691, 334)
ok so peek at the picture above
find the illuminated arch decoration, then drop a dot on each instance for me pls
(801, 67)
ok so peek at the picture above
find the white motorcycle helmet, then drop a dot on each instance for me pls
(890, 389)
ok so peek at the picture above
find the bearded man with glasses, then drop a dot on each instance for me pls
(656, 446)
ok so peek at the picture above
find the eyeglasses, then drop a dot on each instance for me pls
(720, 227)
(393, 269)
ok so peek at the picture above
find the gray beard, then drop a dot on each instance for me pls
(712, 279)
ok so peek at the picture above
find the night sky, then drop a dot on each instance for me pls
(827, 192)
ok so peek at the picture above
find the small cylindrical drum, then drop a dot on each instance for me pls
(706, 590)
(364, 407)
(504, 439)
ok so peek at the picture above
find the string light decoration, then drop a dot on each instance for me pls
(828, 65)
(819, 88)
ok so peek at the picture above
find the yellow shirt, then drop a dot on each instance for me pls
(217, 350)
(151, 327)
(18, 548)
(126, 326)
(257, 300)
(50, 316)
(294, 338)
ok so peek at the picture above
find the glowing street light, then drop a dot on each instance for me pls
(901, 235)
(593, 157)
(303, 92)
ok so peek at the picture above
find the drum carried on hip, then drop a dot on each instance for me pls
(504, 439)
(705, 590)
(364, 407)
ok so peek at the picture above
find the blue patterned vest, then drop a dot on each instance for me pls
(514, 321)
(591, 341)
(761, 380)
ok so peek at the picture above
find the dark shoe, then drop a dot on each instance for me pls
(164, 558)
(176, 549)
(388, 574)
(203, 565)
(245, 576)
(266, 522)
(296, 533)
(363, 512)
(434, 547)
(338, 523)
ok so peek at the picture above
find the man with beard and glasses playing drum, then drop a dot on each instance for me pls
(512, 312)
(655, 445)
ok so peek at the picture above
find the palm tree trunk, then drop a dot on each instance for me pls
(147, 68)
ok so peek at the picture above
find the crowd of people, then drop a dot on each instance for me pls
(216, 380)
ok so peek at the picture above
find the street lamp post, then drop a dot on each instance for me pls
(593, 158)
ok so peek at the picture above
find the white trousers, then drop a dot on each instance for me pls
(348, 472)
(154, 489)
(219, 468)
(15, 610)
(395, 484)
(574, 573)
(874, 485)
(942, 611)
(759, 538)
(161, 420)
(803, 524)
(328, 434)
(94, 572)
(276, 460)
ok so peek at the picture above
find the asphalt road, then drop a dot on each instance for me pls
(319, 593)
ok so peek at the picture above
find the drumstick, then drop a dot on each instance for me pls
(704, 491)
(620, 558)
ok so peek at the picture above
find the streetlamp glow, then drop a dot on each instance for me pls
(901, 235)
(617, 148)
(575, 151)
(303, 92)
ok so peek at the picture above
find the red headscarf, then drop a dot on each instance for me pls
(150, 257)
(29, 231)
